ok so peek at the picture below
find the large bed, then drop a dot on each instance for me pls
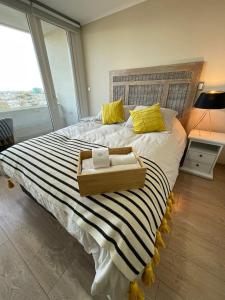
(173, 87)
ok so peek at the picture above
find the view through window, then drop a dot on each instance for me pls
(20, 82)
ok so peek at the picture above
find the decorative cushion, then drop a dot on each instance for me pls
(148, 120)
(113, 112)
(126, 108)
(167, 113)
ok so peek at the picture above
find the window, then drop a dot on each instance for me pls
(42, 82)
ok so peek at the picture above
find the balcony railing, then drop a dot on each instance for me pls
(29, 122)
(30, 113)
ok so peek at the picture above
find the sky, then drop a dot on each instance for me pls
(19, 70)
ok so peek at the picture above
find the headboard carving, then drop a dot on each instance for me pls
(173, 86)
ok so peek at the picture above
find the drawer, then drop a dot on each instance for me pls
(201, 157)
(197, 166)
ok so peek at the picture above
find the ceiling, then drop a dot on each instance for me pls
(86, 11)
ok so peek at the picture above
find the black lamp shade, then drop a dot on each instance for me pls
(211, 100)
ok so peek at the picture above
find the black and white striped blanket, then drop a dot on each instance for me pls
(124, 222)
(6, 133)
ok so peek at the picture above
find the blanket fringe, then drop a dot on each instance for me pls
(135, 292)
(148, 276)
(170, 204)
(159, 242)
(172, 197)
(164, 227)
(10, 184)
(156, 257)
(168, 213)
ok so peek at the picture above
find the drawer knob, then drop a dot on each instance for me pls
(200, 155)
(197, 165)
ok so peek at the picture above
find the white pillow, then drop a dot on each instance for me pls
(129, 122)
(168, 115)
(99, 116)
(126, 108)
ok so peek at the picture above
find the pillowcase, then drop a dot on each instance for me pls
(168, 116)
(126, 109)
(148, 120)
(112, 112)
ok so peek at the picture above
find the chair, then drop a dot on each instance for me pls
(6, 133)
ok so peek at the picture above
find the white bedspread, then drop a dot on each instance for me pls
(166, 149)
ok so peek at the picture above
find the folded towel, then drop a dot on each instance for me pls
(87, 164)
(123, 159)
(111, 169)
(116, 160)
(100, 158)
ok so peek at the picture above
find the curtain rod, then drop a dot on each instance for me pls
(54, 11)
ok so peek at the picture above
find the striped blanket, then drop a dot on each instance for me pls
(124, 222)
(6, 133)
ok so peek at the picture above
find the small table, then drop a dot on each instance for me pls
(202, 152)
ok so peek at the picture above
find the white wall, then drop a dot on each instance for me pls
(157, 32)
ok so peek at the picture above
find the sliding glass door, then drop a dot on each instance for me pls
(22, 94)
(56, 43)
(42, 81)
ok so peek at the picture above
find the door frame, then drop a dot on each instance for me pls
(42, 57)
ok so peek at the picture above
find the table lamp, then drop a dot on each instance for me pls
(209, 100)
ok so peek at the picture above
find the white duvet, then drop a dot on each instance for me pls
(165, 148)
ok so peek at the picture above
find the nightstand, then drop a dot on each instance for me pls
(202, 152)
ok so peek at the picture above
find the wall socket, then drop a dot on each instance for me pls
(201, 85)
(89, 89)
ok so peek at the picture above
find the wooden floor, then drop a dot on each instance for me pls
(39, 260)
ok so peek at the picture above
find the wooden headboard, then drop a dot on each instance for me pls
(173, 86)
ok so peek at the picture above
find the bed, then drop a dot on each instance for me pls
(43, 166)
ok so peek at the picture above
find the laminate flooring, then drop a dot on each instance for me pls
(39, 260)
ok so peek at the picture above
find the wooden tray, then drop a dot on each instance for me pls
(91, 184)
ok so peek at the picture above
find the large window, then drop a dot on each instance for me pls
(20, 81)
(42, 85)
(22, 95)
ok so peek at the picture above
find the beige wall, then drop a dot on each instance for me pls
(157, 32)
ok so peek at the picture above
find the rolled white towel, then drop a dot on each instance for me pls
(100, 158)
(123, 159)
(87, 164)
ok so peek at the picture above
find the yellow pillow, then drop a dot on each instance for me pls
(113, 112)
(148, 120)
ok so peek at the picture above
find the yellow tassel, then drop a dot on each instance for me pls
(10, 184)
(148, 276)
(172, 197)
(159, 242)
(135, 293)
(170, 204)
(156, 257)
(168, 213)
(164, 227)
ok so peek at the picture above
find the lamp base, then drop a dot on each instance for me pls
(207, 111)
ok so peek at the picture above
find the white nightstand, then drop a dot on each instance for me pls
(202, 153)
